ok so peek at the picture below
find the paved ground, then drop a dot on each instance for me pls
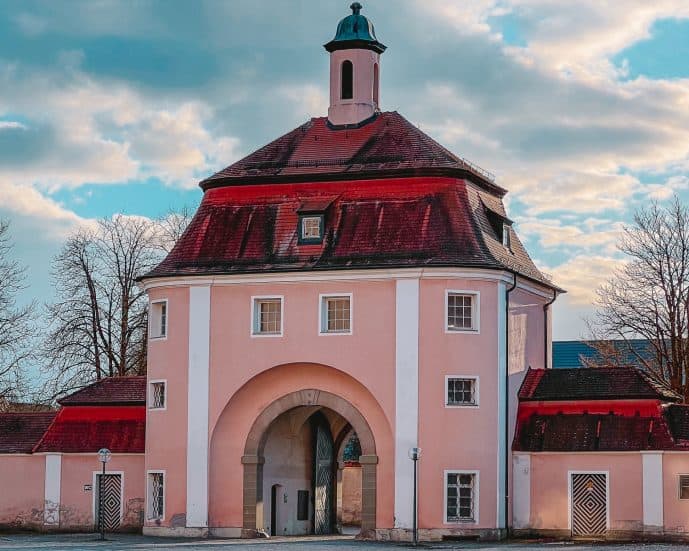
(89, 542)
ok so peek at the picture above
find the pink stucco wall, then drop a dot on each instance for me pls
(676, 511)
(77, 505)
(22, 494)
(247, 374)
(166, 430)
(550, 493)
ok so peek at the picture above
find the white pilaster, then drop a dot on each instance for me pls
(406, 396)
(521, 491)
(652, 488)
(53, 482)
(197, 407)
(502, 393)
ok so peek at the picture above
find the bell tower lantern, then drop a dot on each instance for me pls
(354, 70)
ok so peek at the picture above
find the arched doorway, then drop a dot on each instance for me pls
(292, 444)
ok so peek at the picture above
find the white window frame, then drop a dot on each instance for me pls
(149, 495)
(255, 321)
(475, 312)
(679, 486)
(323, 314)
(150, 394)
(477, 495)
(474, 378)
(94, 492)
(569, 496)
(506, 236)
(150, 320)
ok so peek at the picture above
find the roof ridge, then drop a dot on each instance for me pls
(45, 432)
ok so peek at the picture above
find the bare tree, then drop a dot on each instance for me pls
(172, 226)
(99, 319)
(15, 321)
(648, 296)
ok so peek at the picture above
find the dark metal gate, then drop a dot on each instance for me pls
(112, 500)
(589, 504)
(323, 481)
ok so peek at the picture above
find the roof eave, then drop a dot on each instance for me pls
(452, 172)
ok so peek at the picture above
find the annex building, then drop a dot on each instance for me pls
(348, 292)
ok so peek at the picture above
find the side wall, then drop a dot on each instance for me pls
(22, 491)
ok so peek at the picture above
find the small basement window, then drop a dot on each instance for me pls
(311, 229)
(461, 496)
(684, 486)
(156, 495)
(157, 323)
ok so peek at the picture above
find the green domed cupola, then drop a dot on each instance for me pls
(355, 31)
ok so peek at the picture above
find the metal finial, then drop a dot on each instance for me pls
(356, 8)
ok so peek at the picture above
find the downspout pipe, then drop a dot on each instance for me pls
(546, 307)
(507, 401)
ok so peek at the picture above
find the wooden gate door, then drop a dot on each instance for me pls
(323, 483)
(112, 501)
(589, 505)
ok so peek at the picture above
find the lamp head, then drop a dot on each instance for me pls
(104, 455)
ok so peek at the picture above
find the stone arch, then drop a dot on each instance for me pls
(253, 460)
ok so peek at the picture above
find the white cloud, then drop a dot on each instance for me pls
(581, 275)
(12, 124)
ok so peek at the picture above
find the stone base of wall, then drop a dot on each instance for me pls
(649, 535)
(435, 534)
(176, 532)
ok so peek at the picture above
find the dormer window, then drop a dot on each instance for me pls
(506, 236)
(311, 229)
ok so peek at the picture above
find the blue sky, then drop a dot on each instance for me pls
(581, 109)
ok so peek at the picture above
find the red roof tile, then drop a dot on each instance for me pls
(20, 432)
(587, 433)
(84, 429)
(112, 390)
(388, 146)
(410, 222)
(592, 384)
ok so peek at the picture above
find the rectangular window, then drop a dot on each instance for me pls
(267, 316)
(302, 505)
(311, 227)
(336, 314)
(156, 396)
(158, 319)
(461, 491)
(461, 391)
(462, 311)
(506, 236)
(684, 486)
(156, 495)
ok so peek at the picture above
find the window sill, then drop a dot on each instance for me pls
(456, 406)
(265, 335)
(449, 330)
(333, 333)
(157, 409)
(461, 521)
(158, 338)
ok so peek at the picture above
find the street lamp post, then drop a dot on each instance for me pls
(104, 457)
(415, 455)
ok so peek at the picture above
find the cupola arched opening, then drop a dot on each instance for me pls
(376, 86)
(347, 80)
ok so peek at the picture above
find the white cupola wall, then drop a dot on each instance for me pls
(354, 71)
(354, 86)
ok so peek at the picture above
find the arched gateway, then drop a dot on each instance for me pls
(307, 404)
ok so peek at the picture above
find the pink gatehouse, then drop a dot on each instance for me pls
(345, 294)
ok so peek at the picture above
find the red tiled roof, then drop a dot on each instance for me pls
(677, 416)
(592, 384)
(388, 146)
(410, 222)
(587, 433)
(84, 429)
(112, 390)
(20, 432)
